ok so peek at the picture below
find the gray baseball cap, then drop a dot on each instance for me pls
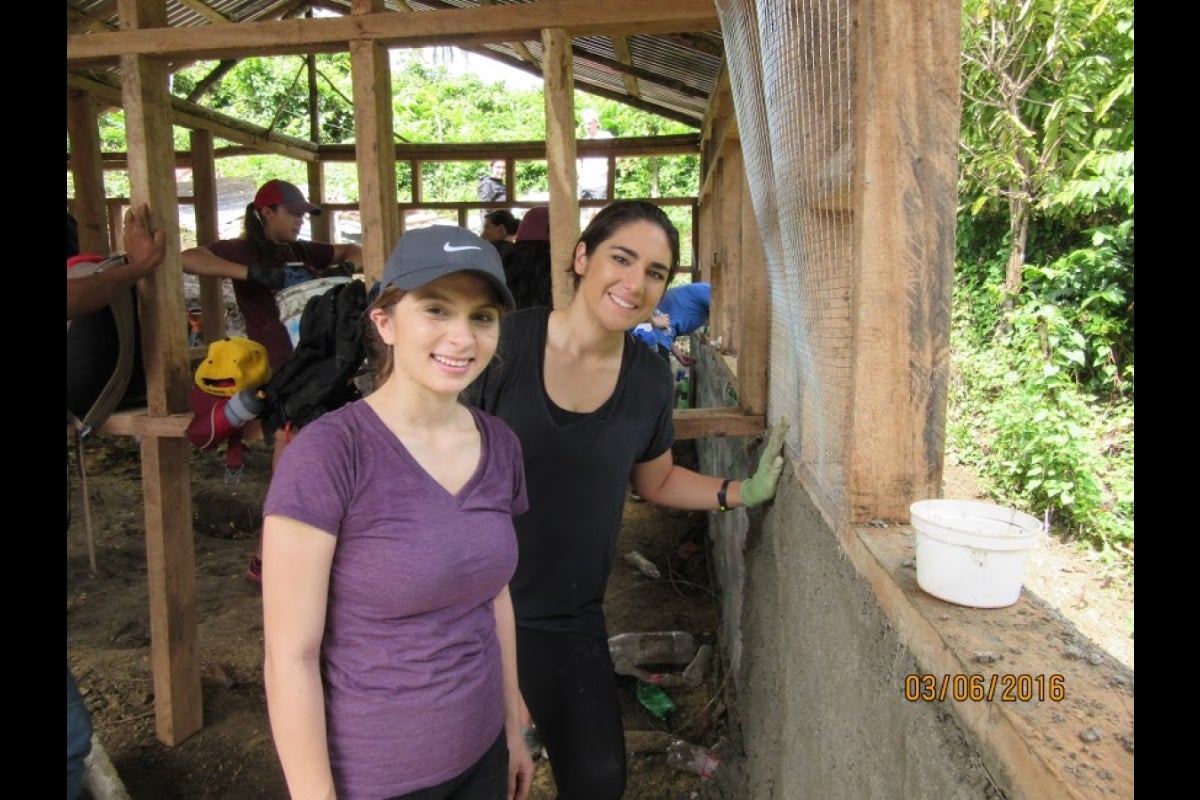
(425, 254)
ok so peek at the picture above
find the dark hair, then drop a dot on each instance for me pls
(270, 253)
(617, 215)
(502, 216)
(527, 273)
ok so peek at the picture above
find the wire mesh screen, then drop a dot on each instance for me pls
(797, 153)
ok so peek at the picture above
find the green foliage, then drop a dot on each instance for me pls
(1041, 397)
(1042, 441)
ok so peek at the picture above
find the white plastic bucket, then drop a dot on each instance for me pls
(972, 553)
(292, 300)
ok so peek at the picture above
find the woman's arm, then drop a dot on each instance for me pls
(520, 763)
(296, 562)
(664, 482)
(202, 261)
(145, 247)
(347, 252)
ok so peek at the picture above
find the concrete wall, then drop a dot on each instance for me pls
(818, 670)
(821, 628)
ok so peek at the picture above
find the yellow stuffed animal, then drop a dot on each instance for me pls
(233, 364)
(226, 396)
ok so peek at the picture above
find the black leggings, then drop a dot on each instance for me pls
(486, 779)
(568, 683)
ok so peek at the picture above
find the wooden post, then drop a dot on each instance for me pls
(906, 110)
(88, 174)
(557, 72)
(374, 146)
(205, 202)
(166, 471)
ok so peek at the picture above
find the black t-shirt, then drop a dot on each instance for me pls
(576, 470)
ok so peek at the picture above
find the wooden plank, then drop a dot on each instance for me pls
(557, 71)
(136, 422)
(87, 173)
(754, 301)
(320, 224)
(906, 109)
(620, 147)
(165, 466)
(454, 27)
(372, 80)
(171, 580)
(704, 423)
(204, 195)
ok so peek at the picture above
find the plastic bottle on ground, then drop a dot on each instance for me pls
(692, 758)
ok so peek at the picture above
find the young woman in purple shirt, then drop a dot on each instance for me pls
(388, 533)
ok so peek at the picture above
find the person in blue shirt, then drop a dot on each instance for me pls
(682, 310)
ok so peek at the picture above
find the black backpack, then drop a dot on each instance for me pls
(318, 375)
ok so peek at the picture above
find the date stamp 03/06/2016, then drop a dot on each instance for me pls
(1005, 687)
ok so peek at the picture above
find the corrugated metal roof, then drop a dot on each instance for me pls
(671, 75)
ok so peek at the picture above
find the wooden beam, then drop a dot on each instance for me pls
(204, 10)
(205, 84)
(690, 423)
(624, 147)
(204, 207)
(754, 300)
(706, 423)
(372, 80)
(166, 479)
(906, 108)
(190, 115)
(522, 50)
(458, 27)
(97, 19)
(90, 211)
(321, 224)
(621, 48)
(560, 158)
(587, 87)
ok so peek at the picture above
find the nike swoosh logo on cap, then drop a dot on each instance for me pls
(449, 248)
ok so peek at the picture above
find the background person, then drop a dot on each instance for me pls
(492, 188)
(145, 248)
(268, 257)
(527, 265)
(500, 228)
(593, 171)
(683, 310)
(593, 410)
(390, 667)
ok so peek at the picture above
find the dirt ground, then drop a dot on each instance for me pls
(232, 756)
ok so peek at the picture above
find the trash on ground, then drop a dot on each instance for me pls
(650, 657)
(655, 700)
(692, 758)
(643, 564)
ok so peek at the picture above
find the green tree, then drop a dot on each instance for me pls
(1047, 111)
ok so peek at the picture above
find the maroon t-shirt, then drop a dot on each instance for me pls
(257, 304)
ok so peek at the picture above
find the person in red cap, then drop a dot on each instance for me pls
(527, 263)
(265, 259)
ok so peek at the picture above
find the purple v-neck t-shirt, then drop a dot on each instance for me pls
(410, 660)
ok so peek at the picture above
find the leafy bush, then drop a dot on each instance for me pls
(1039, 439)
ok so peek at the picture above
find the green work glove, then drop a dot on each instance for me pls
(761, 487)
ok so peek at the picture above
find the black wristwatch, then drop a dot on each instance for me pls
(721, 499)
